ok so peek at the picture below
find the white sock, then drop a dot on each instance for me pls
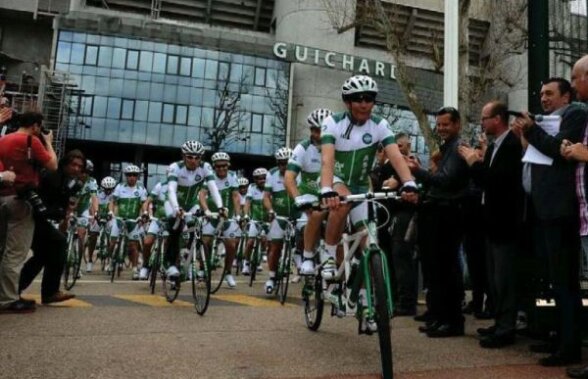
(308, 254)
(331, 251)
(272, 275)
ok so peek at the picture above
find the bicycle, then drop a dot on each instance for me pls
(199, 271)
(217, 255)
(119, 252)
(282, 279)
(255, 257)
(73, 259)
(157, 252)
(360, 269)
(102, 244)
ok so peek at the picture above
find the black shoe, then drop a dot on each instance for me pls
(446, 330)
(425, 317)
(28, 301)
(559, 360)
(487, 331)
(429, 326)
(543, 348)
(18, 306)
(577, 372)
(485, 315)
(470, 308)
(497, 341)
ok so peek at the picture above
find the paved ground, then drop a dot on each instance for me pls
(120, 330)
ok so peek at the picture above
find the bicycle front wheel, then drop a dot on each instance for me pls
(382, 315)
(156, 255)
(200, 277)
(217, 265)
(284, 272)
(314, 303)
(70, 273)
(254, 262)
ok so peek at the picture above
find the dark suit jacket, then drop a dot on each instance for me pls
(553, 190)
(503, 189)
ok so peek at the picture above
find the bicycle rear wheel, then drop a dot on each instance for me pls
(114, 261)
(314, 303)
(200, 277)
(382, 314)
(217, 265)
(69, 273)
(171, 288)
(284, 272)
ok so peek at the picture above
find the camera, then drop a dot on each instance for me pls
(33, 198)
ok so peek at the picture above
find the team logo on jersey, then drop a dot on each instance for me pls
(227, 183)
(136, 193)
(367, 138)
(324, 127)
(197, 178)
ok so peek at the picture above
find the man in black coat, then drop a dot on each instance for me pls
(499, 176)
(556, 209)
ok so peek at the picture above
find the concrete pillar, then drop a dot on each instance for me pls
(451, 54)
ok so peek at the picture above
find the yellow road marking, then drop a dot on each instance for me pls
(153, 300)
(250, 300)
(72, 303)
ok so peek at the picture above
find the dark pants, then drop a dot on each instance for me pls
(405, 266)
(560, 242)
(49, 253)
(440, 230)
(501, 263)
(474, 245)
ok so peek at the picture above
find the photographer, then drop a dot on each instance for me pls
(25, 152)
(49, 244)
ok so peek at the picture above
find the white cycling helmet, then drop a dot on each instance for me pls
(132, 169)
(359, 84)
(243, 182)
(260, 172)
(192, 147)
(283, 153)
(316, 117)
(89, 166)
(108, 182)
(220, 156)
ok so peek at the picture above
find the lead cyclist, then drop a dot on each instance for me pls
(348, 146)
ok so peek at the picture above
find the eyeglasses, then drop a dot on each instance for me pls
(282, 163)
(364, 97)
(259, 178)
(221, 166)
(131, 175)
(191, 157)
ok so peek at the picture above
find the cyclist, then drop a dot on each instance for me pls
(87, 206)
(277, 202)
(127, 202)
(105, 193)
(226, 182)
(185, 178)
(155, 204)
(349, 142)
(306, 161)
(255, 210)
(243, 187)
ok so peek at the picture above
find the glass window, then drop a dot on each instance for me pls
(159, 63)
(211, 69)
(99, 106)
(79, 37)
(185, 66)
(194, 116)
(268, 122)
(207, 116)
(183, 94)
(91, 55)
(63, 52)
(248, 75)
(209, 98)
(113, 110)
(236, 72)
(121, 42)
(105, 56)
(139, 132)
(160, 47)
(181, 114)
(256, 123)
(168, 114)
(172, 64)
(119, 57)
(198, 65)
(115, 87)
(102, 85)
(271, 78)
(223, 71)
(259, 76)
(128, 109)
(154, 112)
(86, 104)
(196, 96)
(129, 87)
(146, 61)
(156, 91)
(93, 39)
(65, 35)
(132, 59)
(77, 53)
(141, 107)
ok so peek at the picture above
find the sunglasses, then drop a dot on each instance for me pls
(221, 166)
(282, 163)
(192, 157)
(365, 97)
(131, 175)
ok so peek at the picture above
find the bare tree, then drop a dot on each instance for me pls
(279, 107)
(227, 119)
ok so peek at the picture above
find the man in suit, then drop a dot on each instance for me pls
(553, 199)
(499, 176)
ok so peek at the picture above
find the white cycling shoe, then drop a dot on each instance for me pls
(245, 270)
(172, 272)
(307, 267)
(144, 273)
(230, 281)
(269, 286)
(329, 269)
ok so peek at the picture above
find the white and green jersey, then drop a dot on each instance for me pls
(85, 194)
(103, 202)
(282, 203)
(242, 199)
(255, 197)
(225, 186)
(355, 147)
(306, 161)
(129, 200)
(158, 196)
(188, 182)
